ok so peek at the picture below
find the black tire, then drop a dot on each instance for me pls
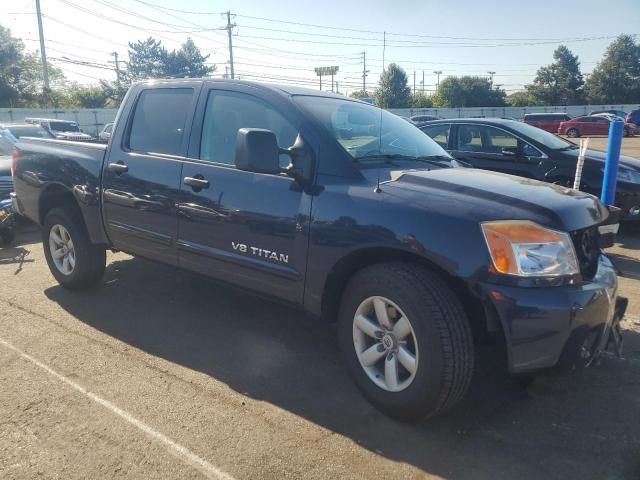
(442, 331)
(90, 259)
(626, 132)
(6, 237)
(573, 133)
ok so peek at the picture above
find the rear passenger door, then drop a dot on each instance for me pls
(141, 176)
(242, 227)
(492, 148)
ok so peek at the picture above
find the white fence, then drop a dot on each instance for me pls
(92, 120)
(514, 112)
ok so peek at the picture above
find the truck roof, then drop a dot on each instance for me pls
(287, 90)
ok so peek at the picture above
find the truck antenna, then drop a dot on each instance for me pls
(378, 189)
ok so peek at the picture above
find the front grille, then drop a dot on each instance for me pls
(6, 187)
(585, 242)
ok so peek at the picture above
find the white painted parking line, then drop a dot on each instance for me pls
(179, 451)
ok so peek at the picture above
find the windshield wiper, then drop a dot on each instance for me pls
(388, 157)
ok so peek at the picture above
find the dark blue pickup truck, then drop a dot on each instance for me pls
(340, 208)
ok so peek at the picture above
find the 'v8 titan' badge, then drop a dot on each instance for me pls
(261, 252)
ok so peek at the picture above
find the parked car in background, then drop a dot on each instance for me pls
(105, 134)
(60, 129)
(520, 149)
(591, 125)
(14, 131)
(546, 121)
(423, 118)
(608, 116)
(633, 117)
(617, 113)
(6, 182)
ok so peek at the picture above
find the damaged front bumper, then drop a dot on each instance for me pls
(563, 326)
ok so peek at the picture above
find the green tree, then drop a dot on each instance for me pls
(522, 99)
(393, 90)
(21, 77)
(616, 79)
(188, 62)
(360, 94)
(78, 96)
(147, 59)
(468, 91)
(560, 83)
(420, 100)
(114, 91)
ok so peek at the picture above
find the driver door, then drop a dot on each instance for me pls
(242, 227)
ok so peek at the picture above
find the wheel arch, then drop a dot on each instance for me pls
(83, 206)
(482, 319)
(56, 196)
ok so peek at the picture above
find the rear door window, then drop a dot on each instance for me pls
(484, 139)
(159, 120)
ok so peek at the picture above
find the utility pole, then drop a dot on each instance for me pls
(364, 71)
(422, 83)
(115, 59)
(384, 47)
(414, 83)
(437, 72)
(491, 74)
(43, 53)
(229, 29)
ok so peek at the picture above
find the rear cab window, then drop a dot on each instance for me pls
(159, 121)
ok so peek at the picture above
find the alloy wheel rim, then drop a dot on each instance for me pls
(385, 344)
(62, 250)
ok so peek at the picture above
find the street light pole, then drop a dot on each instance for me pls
(43, 53)
(437, 72)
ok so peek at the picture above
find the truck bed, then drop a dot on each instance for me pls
(62, 167)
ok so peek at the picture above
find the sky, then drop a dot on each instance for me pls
(282, 41)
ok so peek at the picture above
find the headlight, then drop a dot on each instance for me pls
(525, 249)
(628, 175)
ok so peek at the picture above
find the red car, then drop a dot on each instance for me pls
(592, 125)
(546, 121)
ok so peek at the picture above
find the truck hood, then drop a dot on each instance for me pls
(481, 195)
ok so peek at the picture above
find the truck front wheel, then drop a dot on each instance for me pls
(74, 261)
(406, 339)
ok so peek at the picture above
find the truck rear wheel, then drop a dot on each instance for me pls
(406, 339)
(74, 261)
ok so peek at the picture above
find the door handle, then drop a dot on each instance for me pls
(118, 167)
(196, 182)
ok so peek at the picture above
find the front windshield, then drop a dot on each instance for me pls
(370, 134)
(547, 139)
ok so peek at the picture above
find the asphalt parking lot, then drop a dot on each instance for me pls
(160, 373)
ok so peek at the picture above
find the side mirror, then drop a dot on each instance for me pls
(257, 151)
(510, 151)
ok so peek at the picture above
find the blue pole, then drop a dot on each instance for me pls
(611, 163)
